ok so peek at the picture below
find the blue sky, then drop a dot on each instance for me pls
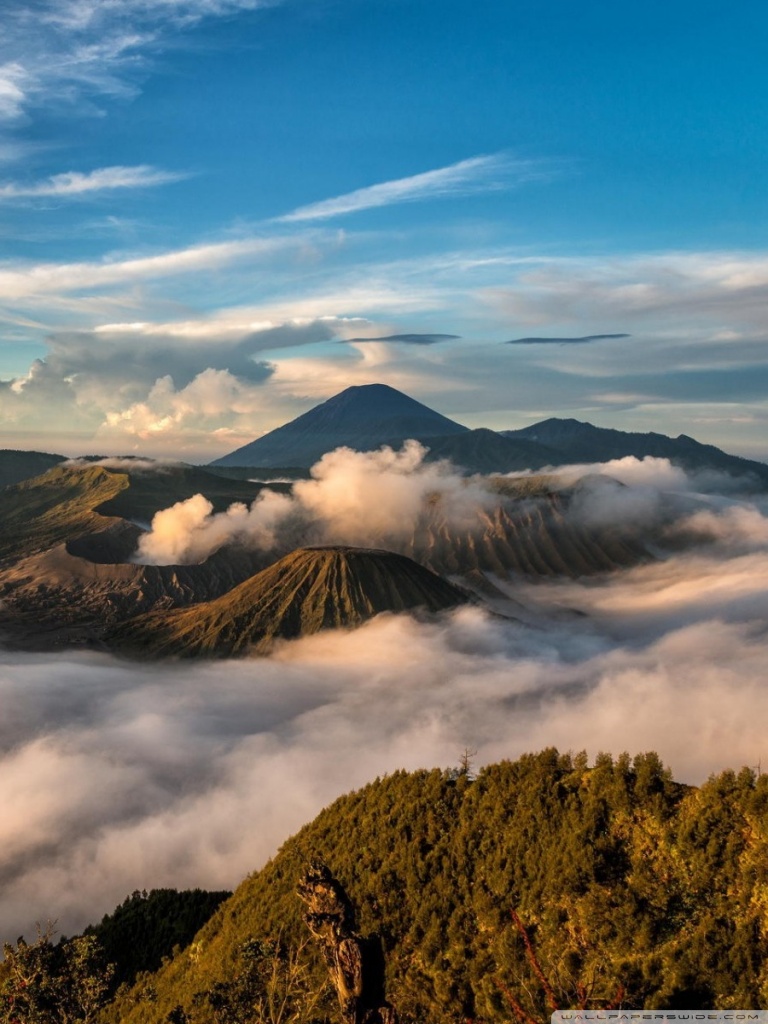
(205, 202)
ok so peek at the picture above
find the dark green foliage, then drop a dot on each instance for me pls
(629, 888)
(147, 927)
(43, 983)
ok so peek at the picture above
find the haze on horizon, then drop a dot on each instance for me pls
(217, 214)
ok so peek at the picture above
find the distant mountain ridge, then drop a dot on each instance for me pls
(368, 416)
(577, 441)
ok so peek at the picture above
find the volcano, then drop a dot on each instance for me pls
(363, 417)
(308, 590)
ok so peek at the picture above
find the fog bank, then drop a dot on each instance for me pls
(117, 777)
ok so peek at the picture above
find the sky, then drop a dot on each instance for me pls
(217, 213)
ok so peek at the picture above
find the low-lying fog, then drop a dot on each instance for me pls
(117, 777)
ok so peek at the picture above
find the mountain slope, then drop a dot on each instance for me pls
(622, 878)
(16, 466)
(66, 546)
(58, 506)
(363, 417)
(72, 502)
(532, 531)
(485, 451)
(309, 590)
(575, 441)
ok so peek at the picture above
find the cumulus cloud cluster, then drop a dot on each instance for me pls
(120, 359)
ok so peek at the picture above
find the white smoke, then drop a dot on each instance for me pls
(368, 499)
(119, 778)
(647, 472)
(737, 527)
(190, 531)
(375, 499)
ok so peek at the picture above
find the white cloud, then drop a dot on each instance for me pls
(122, 777)
(55, 278)
(376, 499)
(71, 52)
(214, 398)
(477, 174)
(12, 81)
(76, 183)
(682, 292)
(81, 14)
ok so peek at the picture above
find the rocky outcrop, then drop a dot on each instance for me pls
(355, 973)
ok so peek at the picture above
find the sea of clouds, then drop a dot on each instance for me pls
(119, 777)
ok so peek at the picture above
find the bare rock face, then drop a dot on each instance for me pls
(356, 975)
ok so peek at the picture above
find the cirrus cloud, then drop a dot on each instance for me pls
(77, 183)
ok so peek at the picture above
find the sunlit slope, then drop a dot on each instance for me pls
(306, 591)
(67, 539)
(71, 502)
(630, 885)
(55, 596)
(58, 506)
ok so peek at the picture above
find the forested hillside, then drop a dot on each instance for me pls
(628, 888)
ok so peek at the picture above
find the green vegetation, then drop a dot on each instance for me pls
(147, 927)
(68, 983)
(43, 983)
(627, 886)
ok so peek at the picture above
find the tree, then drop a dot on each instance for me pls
(45, 983)
(272, 986)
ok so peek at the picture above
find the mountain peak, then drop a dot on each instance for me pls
(364, 417)
(307, 590)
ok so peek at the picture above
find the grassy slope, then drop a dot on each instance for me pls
(55, 507)
(622, 877)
